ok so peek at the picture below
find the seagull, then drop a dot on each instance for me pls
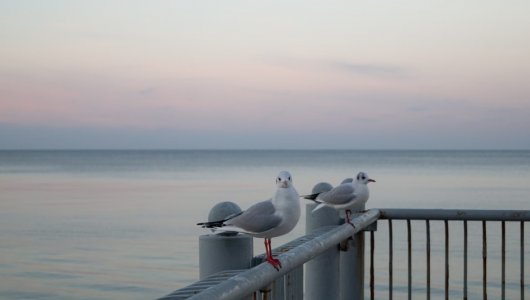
(344, 196)
(266, 219)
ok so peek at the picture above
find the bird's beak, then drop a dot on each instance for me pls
(285, 184)
(371, 180)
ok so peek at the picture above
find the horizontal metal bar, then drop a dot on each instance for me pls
(245, 283)
(455, 214)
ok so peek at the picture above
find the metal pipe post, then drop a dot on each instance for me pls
(226, 250)
(221, 252)
(322, 273)
(352, 267)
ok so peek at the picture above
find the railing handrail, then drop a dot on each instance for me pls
(454, 214)
(249, 281)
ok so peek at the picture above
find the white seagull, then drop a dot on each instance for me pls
(267, 219)
(344, 196)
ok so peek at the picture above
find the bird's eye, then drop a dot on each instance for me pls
(278, 179)
(363, 178)
(289, 178)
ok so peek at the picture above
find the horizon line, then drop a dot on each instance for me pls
(264, 149)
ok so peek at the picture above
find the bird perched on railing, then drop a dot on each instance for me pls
(344, 196)
(267, 219)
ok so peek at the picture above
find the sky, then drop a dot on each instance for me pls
(244, 74)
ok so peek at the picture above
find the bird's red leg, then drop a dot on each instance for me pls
(273, 261)
(348, 217)
(266, 247)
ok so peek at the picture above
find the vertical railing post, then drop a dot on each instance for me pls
(352, 267)
(322, 272)
(294, 284)
(225, 251)
(390, 260)
(446, 223)
(522, 260)
(484, 262)
(465, 260)
(219, 253)
(428, 256)
(372, 266)
(409, 260)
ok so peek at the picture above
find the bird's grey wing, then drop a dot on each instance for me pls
(260, 217)
(340, 194)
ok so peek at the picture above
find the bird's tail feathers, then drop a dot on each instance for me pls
(213, 224)
(318, 207)
(217, 224)
(312, 197)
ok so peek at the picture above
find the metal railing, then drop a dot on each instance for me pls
(248, 282)
(429, 215)
(264, 282)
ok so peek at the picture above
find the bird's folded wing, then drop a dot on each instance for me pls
(260, 217)
(341, 194)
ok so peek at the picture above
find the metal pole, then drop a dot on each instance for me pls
(219, 252)
(503, 261)
(428, 254)
(446, 259)
(484, 262)
(465, 260)
(352, 267)
(390, 259)
(409, 255)
(372, 248)
(522, 260)
(226, 250)
(322, 273)
(294, 284)
(352, 260)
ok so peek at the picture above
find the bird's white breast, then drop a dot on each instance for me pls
(287, 204)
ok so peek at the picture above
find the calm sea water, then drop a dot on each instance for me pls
(121, 224)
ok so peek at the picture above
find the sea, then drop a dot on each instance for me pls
(121, 224)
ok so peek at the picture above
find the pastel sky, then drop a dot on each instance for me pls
(265, 74)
